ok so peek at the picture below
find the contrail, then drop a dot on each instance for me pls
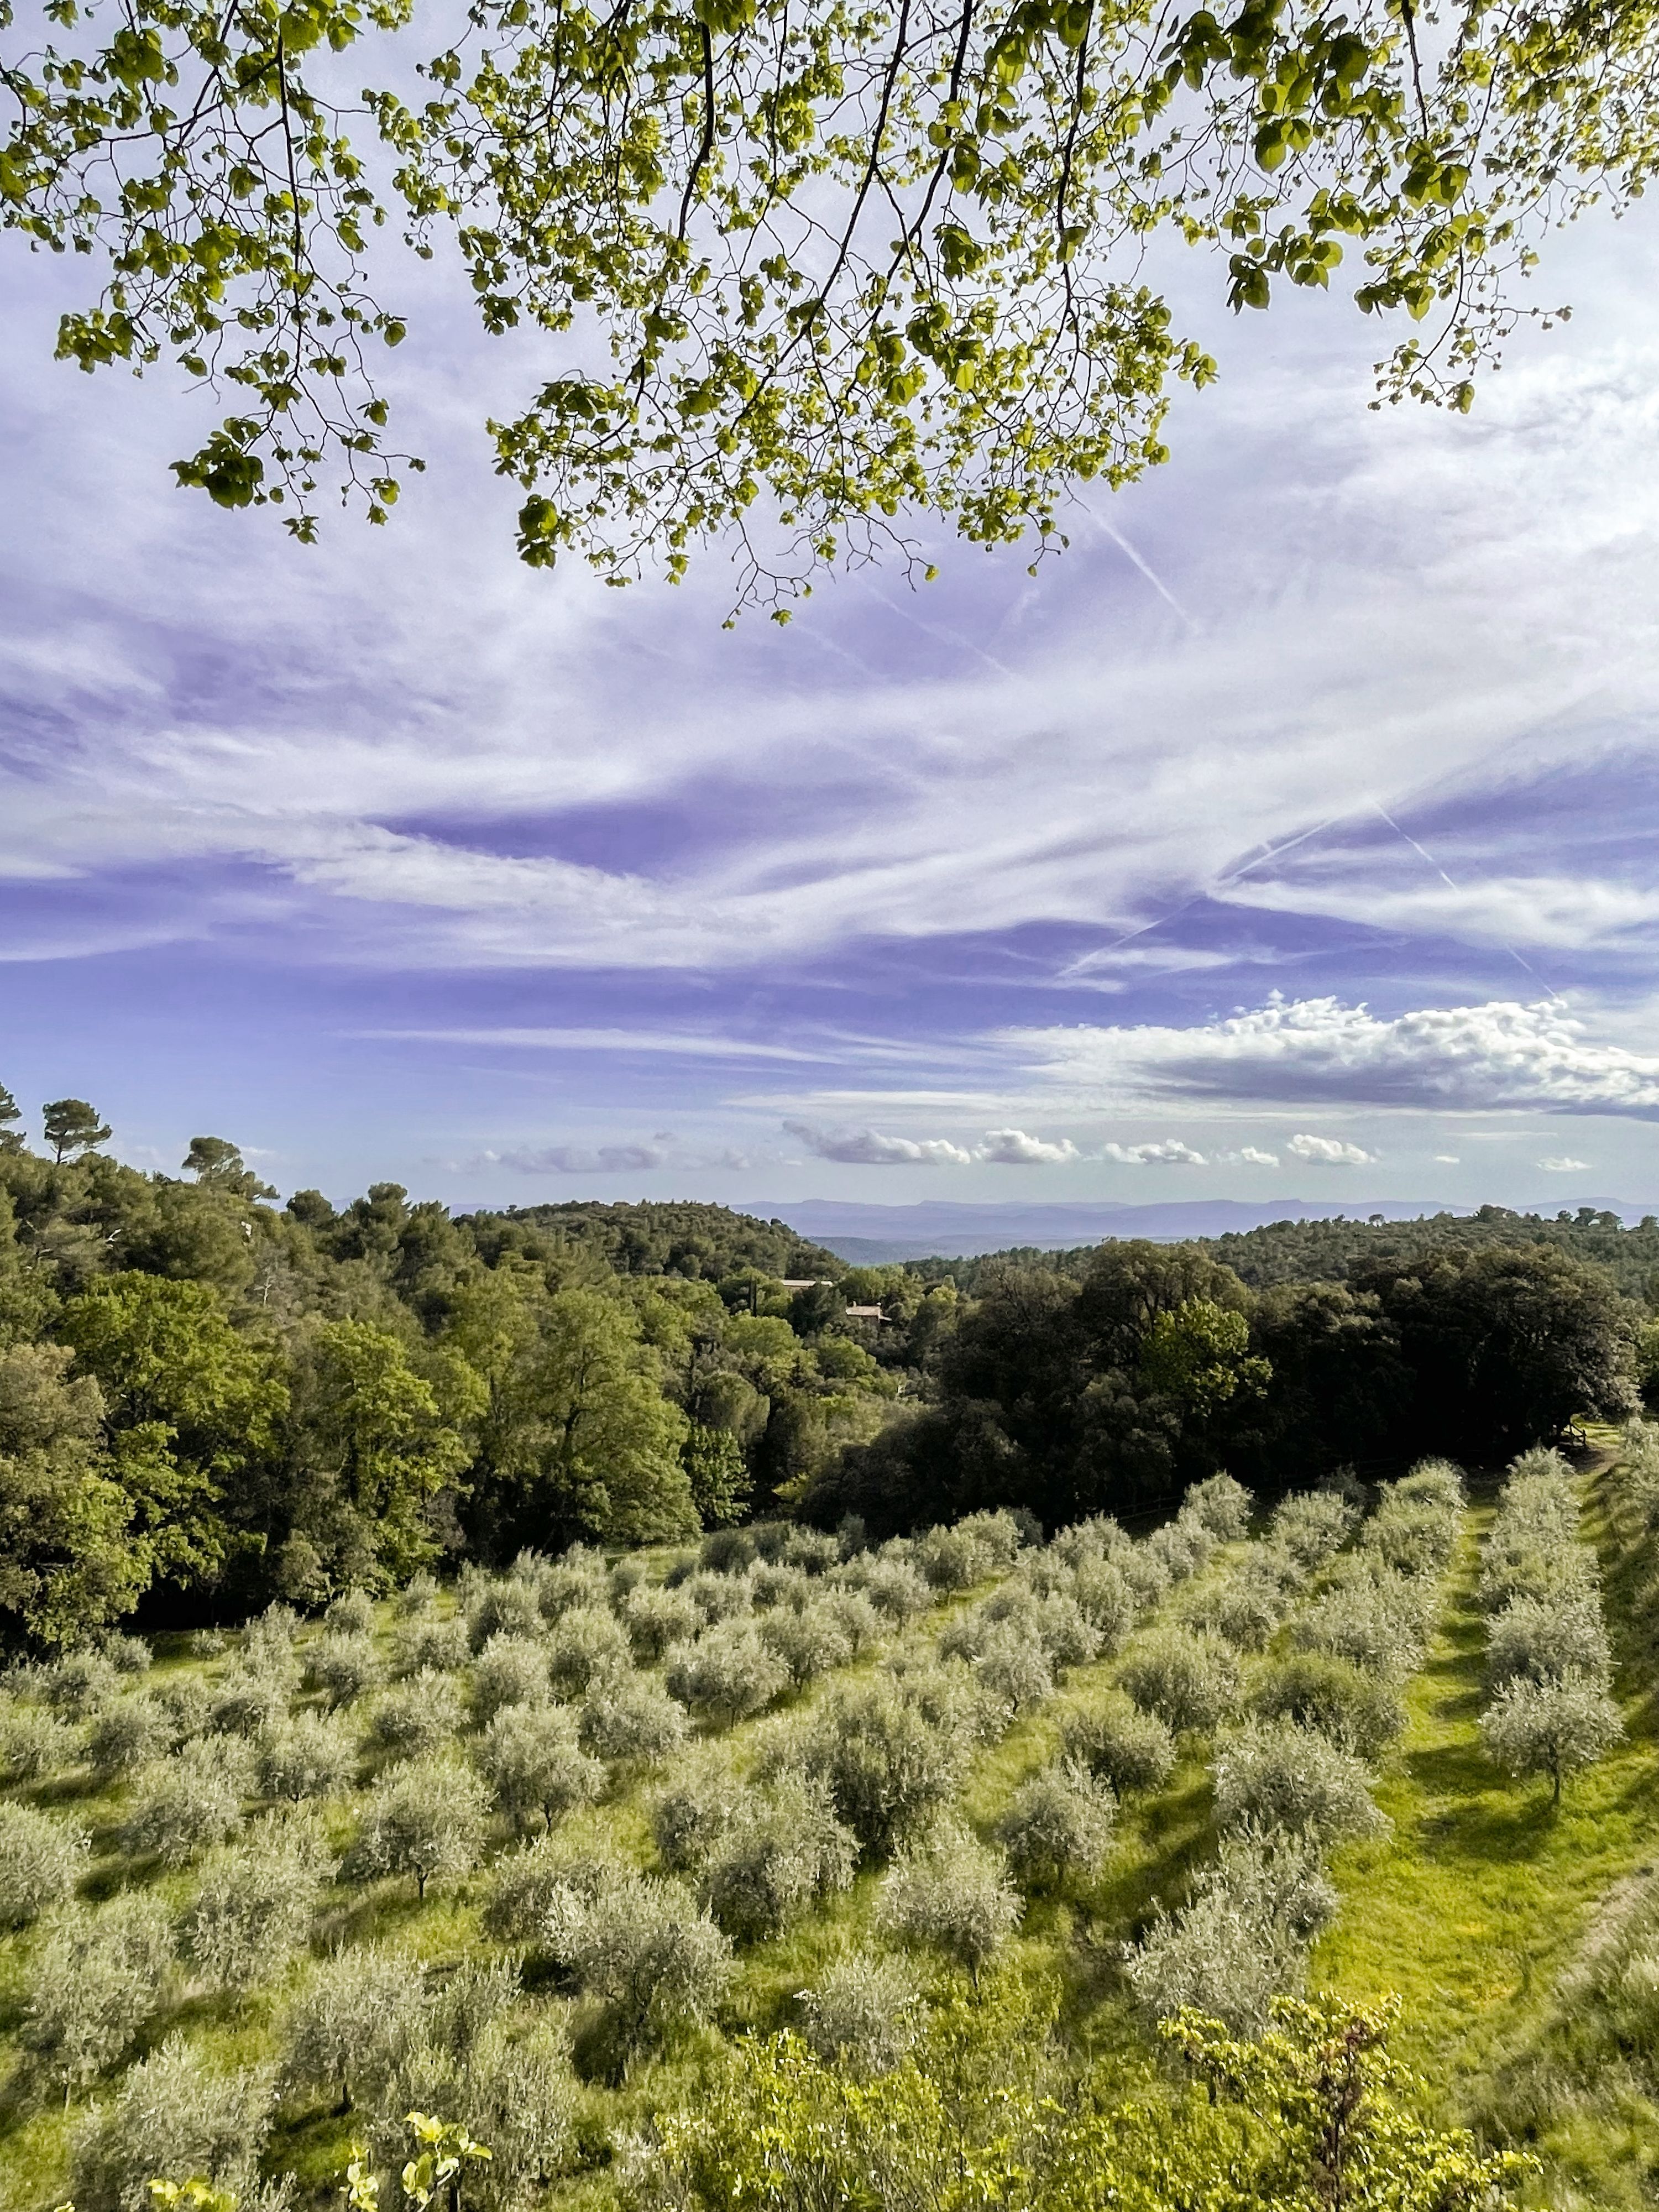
(1428, 857)
(1149, 573)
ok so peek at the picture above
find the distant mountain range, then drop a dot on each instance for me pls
(871, 1234)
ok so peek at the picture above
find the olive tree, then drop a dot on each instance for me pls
(890, 1771)
(1357, 1710)
(253, 1904)
(1118, 1742)
(648, 1947)
(311, 1755)
(864, 2012)
(415, 1716)
(511, 1670)
(346, 2029)
(726, 1673)
(1190, 1681)
(41, 1860)
(182, 1803)
(952, 1892)
(1276, 1775)
(96, 1978)
(426, 1817)
(656, 1619)
(1554, 1728)
(344, 1665)
(535, 1766)
(630, 1716)
(784, 1848)
(1242, 1938)
(174, 2118)
(1058, 1822)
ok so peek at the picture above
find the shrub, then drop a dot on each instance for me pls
(728, 1551)
(535, 1765)
(586, 1642)
(952, 1892)
(128, 1734)
(97, 1977)
(1101, 1594)
(1551, 1728)
(347, 2029)
(1000, 1536)
(268, 1641)
(172, 2119)
(352, 1614)
(128, 1655)
(579, 1579)
(1241, 1940)
(182, 1803)
(82, 1684)
(1222, 1505)
(416, 1716)
(248, 1701)
(253, 1905)
(656, 1619)
(1546, 1641)
(1245, 1609)
(1357, 1623)
(646, 1946)
(1358, 1711)
(896, 1588)
(426, 1645)
(810, 1643)
(1058, 1823)
(781, 1851)
(726, 1673)
(695, 1810)
(1276, 1775)
(630, 1716)
(951, 1558)
(41, 1860)
(344, 1667)
(1147, 1574)
(1183, 1545)
(426, 1818)
(1190, 1681)
(853, 1614)
(1118, 1743)
(529, 1889)
(863, 2013)
(188, 1706)
(514, 2083)
(508, 1606)
(34, 1742)
(308, 1756)
(511, 1670)
(1313, 1525)
(888, 1771)
(951, 1697)
(814, 1551)
(418, 1595)
(771, 1585)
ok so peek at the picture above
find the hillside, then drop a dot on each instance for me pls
(701, 1740)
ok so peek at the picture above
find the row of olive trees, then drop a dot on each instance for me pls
(1549, 1671)
(1293, 1769)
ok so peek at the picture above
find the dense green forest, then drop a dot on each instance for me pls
(210, 1399)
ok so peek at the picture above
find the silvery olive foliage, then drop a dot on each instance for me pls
(35, 1741)
(630, 1716)
(1190, 1681)
(1242, 1938)
(783, 1848)
(41, 1859)
(510, 1670)
(535, 1766)
(174, 2118)
(1058, 1823)
(583, 1645)
(98, 1975)
(1312, 1525)
(345, 1664)
(864, 2012)
(307, 1755)
(726, 1673)
(1223, 1506)
(810, 1643)
(1276, 1775)
(428, 1644)
(505, 1605)
(254, 1903)
(182, 1803)
(343, 2032)
(951, 1891)
(426, 1817)
(1120, 1743)
(416, 1715)
(1554, 1728)
(656, 1619)
(644, 1944)
(1354, 1709)
(695, 1807)
(1545, 1641)
(352, 1614)
(889, 1769)
(128, 1733)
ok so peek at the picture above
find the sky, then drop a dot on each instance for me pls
(1291, 836)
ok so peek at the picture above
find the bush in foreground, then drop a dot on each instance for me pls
(863, 2013)
(41, 1859)
(174, 2119)
(97, 1977)
(1058, 1823)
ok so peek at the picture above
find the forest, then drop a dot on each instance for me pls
(549, 1709)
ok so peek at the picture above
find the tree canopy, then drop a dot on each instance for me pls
(811, 269)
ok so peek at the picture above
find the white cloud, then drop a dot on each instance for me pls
(1447, 1160)
(1168, 1151)
(870, 1148)
(1499, 1054)
(1562, 912)
(1255, 1156)
(1329, 1151)
(640, 1157)
(1014, 1148)
(675, 1043)
(1564, 1166)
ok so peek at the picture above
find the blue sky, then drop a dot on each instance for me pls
(1292, 835)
